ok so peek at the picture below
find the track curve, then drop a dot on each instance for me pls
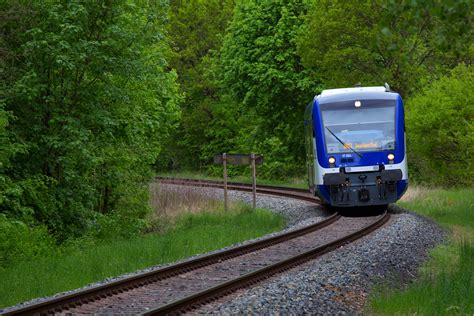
(262, 259)
(300, 194)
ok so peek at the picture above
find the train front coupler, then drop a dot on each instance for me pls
(362, 188)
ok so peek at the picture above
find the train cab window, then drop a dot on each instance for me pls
(368, 127)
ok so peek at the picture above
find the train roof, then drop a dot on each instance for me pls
(358, 93)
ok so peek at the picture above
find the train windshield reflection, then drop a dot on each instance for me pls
(366, 128)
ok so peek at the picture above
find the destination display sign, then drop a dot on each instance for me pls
(238, 159)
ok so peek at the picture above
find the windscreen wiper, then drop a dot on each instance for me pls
(344, 144)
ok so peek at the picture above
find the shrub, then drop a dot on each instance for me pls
(20, 242)
(440, 130)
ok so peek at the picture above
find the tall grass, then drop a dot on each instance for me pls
(171, 201)
(446, 282)
(447, 207)
(444, 289)
(185, 233)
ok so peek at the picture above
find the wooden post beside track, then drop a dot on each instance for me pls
(254, 180)
(224, 163)
(240, 159)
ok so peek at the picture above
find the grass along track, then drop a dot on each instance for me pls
(446, 282)
(177, 232)
(110, 289)
(89, 296)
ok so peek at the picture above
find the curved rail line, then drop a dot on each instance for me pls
(63, 303)
(300, 194)
(192, 302)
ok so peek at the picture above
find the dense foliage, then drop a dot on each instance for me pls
(96, 96)
(276, 55)
(372, 42)
(441, 129)
(89, 99)
(196, 31)
(259, 70)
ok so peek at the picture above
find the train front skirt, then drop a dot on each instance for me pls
(359, 189)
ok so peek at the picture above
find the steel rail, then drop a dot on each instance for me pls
(192, 302)
(300, 194)
(63, 302)
(203, 181)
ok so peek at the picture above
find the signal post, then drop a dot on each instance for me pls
(240, 159)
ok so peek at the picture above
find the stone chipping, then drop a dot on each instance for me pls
(336, 283)
(340, 282)
(295, 212)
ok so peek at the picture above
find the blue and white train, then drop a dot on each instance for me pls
(356, 146)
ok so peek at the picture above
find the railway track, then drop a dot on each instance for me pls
(300, 194)
(186, 286)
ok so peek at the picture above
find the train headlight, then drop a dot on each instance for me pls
(391, 157)
(357, 104)
(332, 160)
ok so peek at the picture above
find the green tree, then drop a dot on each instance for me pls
(15, 20)
(92, 100)
(372, 42)
(8, 150)
(440, 130)
(262, 73)
(196, 31)
(449, 41)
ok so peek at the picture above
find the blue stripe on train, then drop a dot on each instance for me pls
(401, 188)
(323, 191)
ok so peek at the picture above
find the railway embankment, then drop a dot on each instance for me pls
(445, 282)
(344, 280)
(182, 225)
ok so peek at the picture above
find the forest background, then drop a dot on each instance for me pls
(99, 96)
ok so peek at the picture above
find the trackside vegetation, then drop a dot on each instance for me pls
(85, 102)
(97, 97)
(446, 282)
(87, 260)
(440, 130)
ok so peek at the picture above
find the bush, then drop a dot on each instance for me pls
(115, 226)
(86, 114)
(19, 242)
(440, 130)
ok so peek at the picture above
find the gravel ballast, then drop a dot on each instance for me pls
(294, 211)
(338, 282)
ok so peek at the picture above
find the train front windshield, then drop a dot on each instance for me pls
(363, 125)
